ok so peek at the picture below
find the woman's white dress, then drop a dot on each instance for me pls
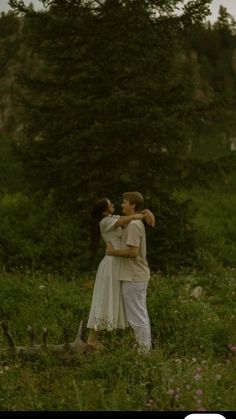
(107, 310)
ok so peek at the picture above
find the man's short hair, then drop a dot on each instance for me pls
(135, 198)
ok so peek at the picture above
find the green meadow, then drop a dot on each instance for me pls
(191, 366)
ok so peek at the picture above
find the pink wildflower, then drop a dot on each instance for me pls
(199, 392)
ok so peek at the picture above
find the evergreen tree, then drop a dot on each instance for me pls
(214, 48)
(109, 106)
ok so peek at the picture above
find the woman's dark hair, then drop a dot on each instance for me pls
(97, 214)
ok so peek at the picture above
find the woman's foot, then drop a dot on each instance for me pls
(96, 344)
(93, 341)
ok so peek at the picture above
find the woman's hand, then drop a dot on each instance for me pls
(149, 217)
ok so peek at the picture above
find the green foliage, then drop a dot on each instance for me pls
(51, 303)
(34, 235)
(190, 366)
(172, 244)
(11, 171)
(37, 235)
(107, 104)
(105, 95)
(9, 26)
(112, 99)
(182, 324)
(214, 223)
(214, 72)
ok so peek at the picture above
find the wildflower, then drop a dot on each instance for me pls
(187, 386)
(197, 377)
(171, 391)
(218, 377)
(41, 287)
(199, 392)
(194, 359)
(201, 409)
(150, 402)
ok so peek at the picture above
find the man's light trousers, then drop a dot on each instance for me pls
(134, 297)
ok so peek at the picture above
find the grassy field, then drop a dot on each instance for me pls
(191, 367)
(192, 364)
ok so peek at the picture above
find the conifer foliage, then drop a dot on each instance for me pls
(108, 105)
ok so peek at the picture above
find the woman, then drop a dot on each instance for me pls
(107, 311)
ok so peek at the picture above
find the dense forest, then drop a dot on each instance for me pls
(100, 97)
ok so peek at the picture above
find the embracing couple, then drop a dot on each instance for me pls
(119, 295)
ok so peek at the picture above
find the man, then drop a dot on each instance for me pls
(135, 272)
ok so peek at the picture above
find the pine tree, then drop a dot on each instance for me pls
(109, 106)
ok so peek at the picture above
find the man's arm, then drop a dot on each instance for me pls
(130, 252)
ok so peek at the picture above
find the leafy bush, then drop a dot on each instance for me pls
(33, 234)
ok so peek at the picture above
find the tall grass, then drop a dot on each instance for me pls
(191, 366)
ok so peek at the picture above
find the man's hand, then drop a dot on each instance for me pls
(109, 249)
